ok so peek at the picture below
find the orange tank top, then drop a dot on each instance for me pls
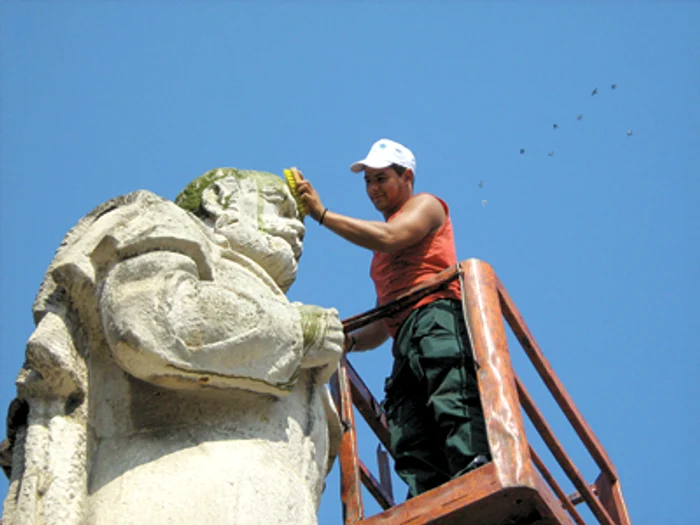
(398, 272)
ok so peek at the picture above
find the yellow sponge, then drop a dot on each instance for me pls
(292, 175)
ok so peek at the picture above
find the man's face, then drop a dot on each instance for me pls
(387, 190)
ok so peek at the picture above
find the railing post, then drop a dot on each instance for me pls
(384, 471)
(350, 481)
(504, 421)
(610, 494)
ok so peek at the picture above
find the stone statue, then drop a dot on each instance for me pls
(169, 379)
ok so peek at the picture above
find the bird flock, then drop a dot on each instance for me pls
(555, 126)
(578, 117)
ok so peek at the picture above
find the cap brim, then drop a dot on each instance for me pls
(360, 165)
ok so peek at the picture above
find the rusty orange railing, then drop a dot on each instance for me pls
(516, 485)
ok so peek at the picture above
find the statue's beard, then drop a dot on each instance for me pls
(272, 253)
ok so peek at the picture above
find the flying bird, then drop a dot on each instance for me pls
(629, 132)
(522, 151)
(579, 117)
(483, 203)
(613, 86)
(481, 184)
(555, 126)
(551, 153)
(595, 92)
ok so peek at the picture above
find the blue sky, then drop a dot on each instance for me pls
(597, 243)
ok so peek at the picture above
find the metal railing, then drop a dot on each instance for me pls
(486, 305)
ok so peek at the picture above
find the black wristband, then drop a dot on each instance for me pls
(323, 216)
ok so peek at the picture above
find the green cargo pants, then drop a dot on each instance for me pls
(436, 422)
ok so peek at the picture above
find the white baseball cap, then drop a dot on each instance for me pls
(383, 154)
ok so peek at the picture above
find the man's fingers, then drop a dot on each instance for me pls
(304, 187)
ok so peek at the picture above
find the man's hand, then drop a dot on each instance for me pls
(309, 196)
(366, 338)
(349, 344)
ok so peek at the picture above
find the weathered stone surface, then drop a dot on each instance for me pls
(169, 379)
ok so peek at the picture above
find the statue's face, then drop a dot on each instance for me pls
(279, 225)
(258, 216)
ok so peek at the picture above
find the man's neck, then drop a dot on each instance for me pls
(394, 211)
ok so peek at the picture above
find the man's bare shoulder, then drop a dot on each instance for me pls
(426, 203)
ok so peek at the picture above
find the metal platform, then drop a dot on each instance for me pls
(516, 487)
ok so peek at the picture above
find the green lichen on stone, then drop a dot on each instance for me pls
(190, 198)
(264, 177)
(313, 324)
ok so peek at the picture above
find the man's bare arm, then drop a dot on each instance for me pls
(367, 338)
(419, 217)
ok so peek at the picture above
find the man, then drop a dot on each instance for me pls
(432, 403)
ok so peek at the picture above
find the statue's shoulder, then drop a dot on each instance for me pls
(143, 202)
(123, 227)
(134, 223)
